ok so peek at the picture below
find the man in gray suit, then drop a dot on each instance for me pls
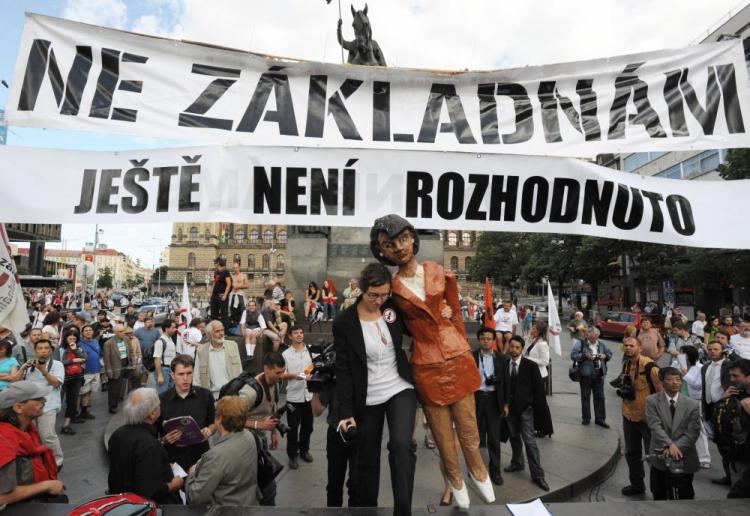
(674, 422)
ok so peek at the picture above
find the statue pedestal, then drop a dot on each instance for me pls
(341, 256)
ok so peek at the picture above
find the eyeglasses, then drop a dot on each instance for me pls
(371, 296)
(402, 240)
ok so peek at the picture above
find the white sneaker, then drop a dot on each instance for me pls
(461, 496)
(485, 488)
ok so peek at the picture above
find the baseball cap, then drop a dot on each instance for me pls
(18, 392)
(128, 330)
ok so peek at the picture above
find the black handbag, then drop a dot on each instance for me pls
(268, 467)
(574, 373)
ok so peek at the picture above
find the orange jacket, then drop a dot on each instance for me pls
(437, 340)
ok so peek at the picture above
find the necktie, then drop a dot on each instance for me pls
(671, 408)
(513, 369)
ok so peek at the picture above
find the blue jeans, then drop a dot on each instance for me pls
(168, 382)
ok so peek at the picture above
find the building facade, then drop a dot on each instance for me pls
(459, 251)
(260, 250)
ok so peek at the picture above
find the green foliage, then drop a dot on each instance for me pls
(737, 165)
(105, 279)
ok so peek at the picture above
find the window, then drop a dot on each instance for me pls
(268, 237)
(194, 234)
(442, 237)
(280, 262)
(639, 159)
(467, 263)
(673, 172)
(189, 277)
(281, 237)
(251, 262)
(466, 238)
(191, 260)
(207, 236)
(239, 235)
(237, 259)
(452, 240)
(180, 236)
(454, 263)
(254, 236)
(266, 262)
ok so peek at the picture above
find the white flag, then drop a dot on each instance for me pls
(185, 318)
(13, 313)
(554, 322)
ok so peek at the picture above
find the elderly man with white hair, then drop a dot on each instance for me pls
(218, 361)
(137, 460)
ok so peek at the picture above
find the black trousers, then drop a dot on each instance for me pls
(741, 488)
(340, 456)
(72, 390)
(300, 428)
(402, 457)
(595, 385)
(637, 438)
(219, 310)
(665, 486)
(488, 423)
(114, 390)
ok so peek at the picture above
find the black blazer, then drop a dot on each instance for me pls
(723, 378)
(498, 359)
(351, 358)
(529, 389)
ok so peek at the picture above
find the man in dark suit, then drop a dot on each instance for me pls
(522, 388)
(674, 421)
(488, 401)
(715, 380)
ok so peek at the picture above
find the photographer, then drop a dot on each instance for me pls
(638, 379)
(263, 416)
(738, 394)
(488, 403)
(715, 381)
(674, 421)
(46, 373)
(592, 356)
(297, 359)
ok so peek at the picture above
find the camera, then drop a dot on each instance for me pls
(349, 434)
(489, 381)
(283, 428)
(624, 386)
(323, 374)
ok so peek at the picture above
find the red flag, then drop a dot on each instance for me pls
(489, 321)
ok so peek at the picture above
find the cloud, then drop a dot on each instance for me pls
(110, 13)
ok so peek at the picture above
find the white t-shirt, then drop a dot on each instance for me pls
(138, 324)
(185, 346)
(53, 398)
(699, 329)
(383, 380)
(504, 321)
(296, 362)
(165, 349)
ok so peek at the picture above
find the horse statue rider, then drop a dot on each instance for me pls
(363, 50)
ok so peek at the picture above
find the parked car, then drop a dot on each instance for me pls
(160, 311)
(614, 324)
(540, 313)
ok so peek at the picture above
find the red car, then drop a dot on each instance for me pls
(614, 324)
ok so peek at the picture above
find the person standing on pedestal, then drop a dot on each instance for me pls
(445, 373)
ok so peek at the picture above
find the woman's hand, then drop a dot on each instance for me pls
(344, 424)
(446, 312)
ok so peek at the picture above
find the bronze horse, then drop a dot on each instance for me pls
(363, 50)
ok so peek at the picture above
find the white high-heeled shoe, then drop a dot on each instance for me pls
(461, 496)
(485, 488)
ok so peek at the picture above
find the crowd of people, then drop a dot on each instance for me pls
(681, 386)
(199, 419)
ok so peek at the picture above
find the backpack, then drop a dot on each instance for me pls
(233, 387)
(125, 504)
(647, 371)
(147, 359)
(730, 435)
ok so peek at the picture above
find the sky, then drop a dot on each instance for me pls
(465, 34)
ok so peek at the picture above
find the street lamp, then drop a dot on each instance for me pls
(159, 269)
(97, 232)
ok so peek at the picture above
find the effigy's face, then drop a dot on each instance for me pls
(399, 249)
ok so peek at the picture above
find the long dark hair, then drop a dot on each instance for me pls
(312, 285)
(52, 318)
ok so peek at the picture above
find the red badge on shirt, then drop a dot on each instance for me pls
(389, 314)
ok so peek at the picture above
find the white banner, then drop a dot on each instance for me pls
(75, 76)
(13, 314)
(347, 187)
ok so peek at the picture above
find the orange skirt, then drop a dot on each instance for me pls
(447, 382)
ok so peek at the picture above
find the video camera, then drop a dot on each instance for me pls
(323, 374)
(624, 386)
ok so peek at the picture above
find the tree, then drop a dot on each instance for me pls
(593, 258)
(105, 279)
(501, 257)
(159, 275)
(737, 165)
(551, 256)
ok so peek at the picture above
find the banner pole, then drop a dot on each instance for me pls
(342, 48)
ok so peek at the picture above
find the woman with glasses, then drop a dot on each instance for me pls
(374, 383)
